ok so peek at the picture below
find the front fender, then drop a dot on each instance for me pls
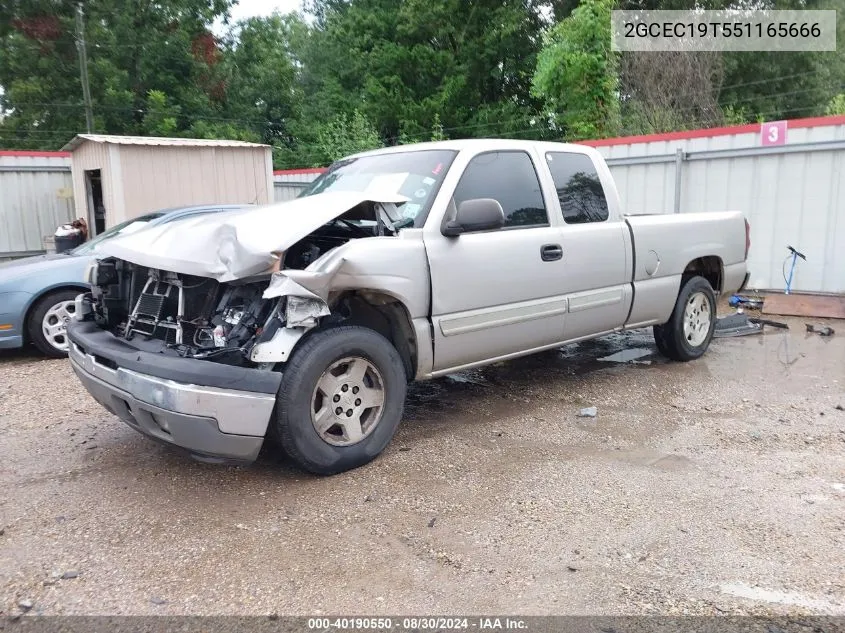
(13, 308)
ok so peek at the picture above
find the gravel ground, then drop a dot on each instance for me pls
(711, 487)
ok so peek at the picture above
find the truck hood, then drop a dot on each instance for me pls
(227, 246)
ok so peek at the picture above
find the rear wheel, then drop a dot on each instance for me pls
(341, 399)
(687, 334)
(48, 319)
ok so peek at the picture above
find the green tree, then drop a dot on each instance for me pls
(160, 118)
(403, 62)
(344, 135)
(576, 74)
(263, 92)
(437, 132)
(836, 105)
(141, 54)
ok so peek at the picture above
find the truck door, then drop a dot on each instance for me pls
(597, 257)
(497, 293)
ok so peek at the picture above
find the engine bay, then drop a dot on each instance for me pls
(199, 317)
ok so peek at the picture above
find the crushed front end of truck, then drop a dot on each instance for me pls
(184, 330)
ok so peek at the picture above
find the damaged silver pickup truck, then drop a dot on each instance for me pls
(304, 321)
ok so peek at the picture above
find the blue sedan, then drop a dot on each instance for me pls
(37, 293)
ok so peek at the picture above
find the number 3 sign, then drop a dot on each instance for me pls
(773, 133)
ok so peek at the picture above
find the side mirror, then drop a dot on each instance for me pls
(479, 214)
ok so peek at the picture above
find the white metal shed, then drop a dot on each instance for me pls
(116, 178)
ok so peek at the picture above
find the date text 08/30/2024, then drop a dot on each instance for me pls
(416, 623)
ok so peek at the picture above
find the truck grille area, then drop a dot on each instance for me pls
(191, 316)
(150, 305)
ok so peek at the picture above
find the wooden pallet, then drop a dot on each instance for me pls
(818, 306)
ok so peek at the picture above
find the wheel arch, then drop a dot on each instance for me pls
(386, 314)
(35, 298)
(710, 267)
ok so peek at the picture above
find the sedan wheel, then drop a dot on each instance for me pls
(54, 324)
(47, 322)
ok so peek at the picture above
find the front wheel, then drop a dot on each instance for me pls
(48, 320)
(687, 334)
(341, 399)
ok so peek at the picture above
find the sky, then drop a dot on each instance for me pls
(251, 8)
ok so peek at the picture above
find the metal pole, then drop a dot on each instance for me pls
(679, 165)
(83, 68)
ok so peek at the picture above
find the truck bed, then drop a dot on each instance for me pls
(664, 245)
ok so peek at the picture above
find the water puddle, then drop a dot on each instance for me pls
(630, 355)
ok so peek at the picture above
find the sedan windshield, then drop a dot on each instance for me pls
(415, 175)
(125, 228)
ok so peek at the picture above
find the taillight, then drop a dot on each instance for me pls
(747, 238)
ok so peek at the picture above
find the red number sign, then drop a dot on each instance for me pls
(773, 133)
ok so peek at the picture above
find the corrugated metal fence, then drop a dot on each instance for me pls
(36, 196)
(792, 194)
(288, 184)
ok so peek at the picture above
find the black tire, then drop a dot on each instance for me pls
(670, 338)
(36, 317)
(293, 427)
(662, 348)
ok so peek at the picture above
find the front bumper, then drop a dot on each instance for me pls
(208, 421)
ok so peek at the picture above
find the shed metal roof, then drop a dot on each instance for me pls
(155, 141)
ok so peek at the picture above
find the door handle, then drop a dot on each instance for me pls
(550, 252)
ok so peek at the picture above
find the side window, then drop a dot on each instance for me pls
(578, 187)
(510, 178)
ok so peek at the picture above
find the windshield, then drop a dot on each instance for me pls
(415, 175)
(124, 228)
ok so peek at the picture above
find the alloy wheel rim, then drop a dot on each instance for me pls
(697, 318)
(54, 324)
(348, 401)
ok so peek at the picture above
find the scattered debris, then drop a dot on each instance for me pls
(740, 324)
(588, 412)
(72, 573)
(737, 324)
(571, 568)
(777, 324)
(404, 449)
(838, 407)
(157, 600)
(26, 604)
(754, 303)
(432, 522)
(368, 498)
(821, 330)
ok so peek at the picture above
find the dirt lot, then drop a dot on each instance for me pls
(710, 487)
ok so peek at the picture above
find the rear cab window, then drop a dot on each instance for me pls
(509, 177)
(579, 188)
